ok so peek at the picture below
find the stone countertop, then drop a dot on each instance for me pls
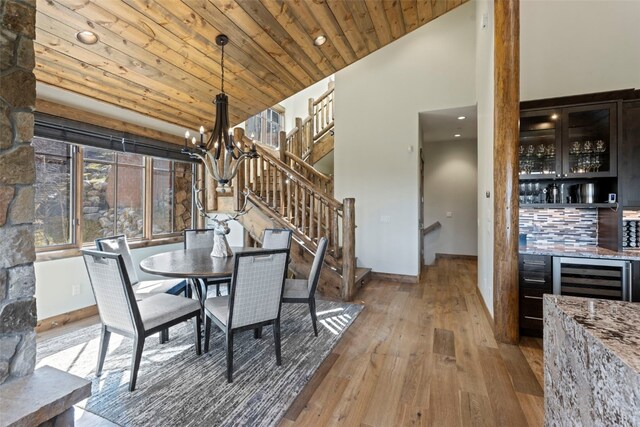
(577, 251)
(616, 324)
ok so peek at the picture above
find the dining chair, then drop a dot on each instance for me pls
(254, 300)
(303, 291)
(276, 238)
(141, 288)
(203, 238)
(121, 313)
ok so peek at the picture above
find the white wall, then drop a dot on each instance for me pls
(57, 281)
(377, 137)
(298, 105)
(450, 185)
(574, 47)
(484, 91)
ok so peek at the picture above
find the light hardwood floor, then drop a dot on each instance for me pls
(420, 354)
(424, 354)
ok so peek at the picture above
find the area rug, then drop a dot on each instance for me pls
(177, 388)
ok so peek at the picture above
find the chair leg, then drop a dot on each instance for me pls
(314, 318)
(138, 345)
(276, 336)
(198, 331)
(102, 353)
(229, 356)
(164, 336)
(207, 332)
(257, 332)
(217, 289)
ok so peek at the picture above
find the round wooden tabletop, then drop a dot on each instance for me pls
(193, 263)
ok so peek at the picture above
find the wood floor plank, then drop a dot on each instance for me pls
(522, 377)
(533, 408)
(504, 402)
(531, 349)
(475, 410)
(444, 343)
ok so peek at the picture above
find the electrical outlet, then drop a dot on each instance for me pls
(449, 214)
(75, 290)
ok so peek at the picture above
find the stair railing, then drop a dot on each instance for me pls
(321, 113)
(298, 204)
(300, 140)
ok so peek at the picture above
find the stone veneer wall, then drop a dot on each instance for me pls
(566, 226)
(17, 176)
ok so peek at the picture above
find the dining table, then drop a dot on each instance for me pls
(195, 264)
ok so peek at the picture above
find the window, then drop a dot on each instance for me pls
(53, 193)
(266, 126)
(113, 194)
(172, 199)
(110, 194)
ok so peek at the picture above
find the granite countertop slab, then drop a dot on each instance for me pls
(616, 324)
(577, 251)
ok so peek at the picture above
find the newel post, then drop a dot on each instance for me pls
(282, 146)
(238, 181)
(348, 249)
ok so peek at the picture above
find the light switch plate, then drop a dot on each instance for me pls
(385, 219)
(449, 214)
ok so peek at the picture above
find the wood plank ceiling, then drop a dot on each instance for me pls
(159, 57)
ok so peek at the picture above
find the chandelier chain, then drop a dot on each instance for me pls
(222, 64)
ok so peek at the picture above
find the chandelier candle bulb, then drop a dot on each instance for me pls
(193, 140)
(186, 139)
(201, 136)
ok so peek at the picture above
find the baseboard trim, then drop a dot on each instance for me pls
(484, 306)
(64, 318)
(473, 257)
(397, 278)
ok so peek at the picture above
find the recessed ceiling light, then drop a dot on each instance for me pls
(457, 135)
(320, 40)
(462, 117)
(554, 116)
(87, 37)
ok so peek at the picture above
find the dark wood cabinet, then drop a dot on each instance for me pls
(629, 173)
(579, 141)
(536, 279)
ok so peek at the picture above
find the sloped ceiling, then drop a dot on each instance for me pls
(159, 57)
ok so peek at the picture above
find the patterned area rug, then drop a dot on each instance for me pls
(177, 388)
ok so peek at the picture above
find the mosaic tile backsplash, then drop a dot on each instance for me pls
(566, 226)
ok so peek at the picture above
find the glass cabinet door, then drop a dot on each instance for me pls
(540, 148)
(590, 141)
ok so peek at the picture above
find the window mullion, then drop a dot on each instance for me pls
(76, 187)
(147, 213)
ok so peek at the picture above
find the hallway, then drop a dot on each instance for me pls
(425, 354)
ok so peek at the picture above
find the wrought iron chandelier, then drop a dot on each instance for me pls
(220, 155)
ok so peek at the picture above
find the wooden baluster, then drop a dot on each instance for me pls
(348, 249)
(282, 146)
(335, 232)
(274, 187)
(327, 224)
(319, 219)
(303, 211)
(283, 178)
(296, 217)
(261, 175)
(267, 183)
(289, 210)
(253, 174)
(312, 214)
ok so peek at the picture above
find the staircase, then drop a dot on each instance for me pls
(286, 191)
(312, 138)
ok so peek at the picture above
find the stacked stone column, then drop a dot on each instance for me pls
(17, 178)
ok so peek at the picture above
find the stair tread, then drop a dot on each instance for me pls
(361, 272)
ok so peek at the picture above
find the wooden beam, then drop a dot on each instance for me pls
(505, 175)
